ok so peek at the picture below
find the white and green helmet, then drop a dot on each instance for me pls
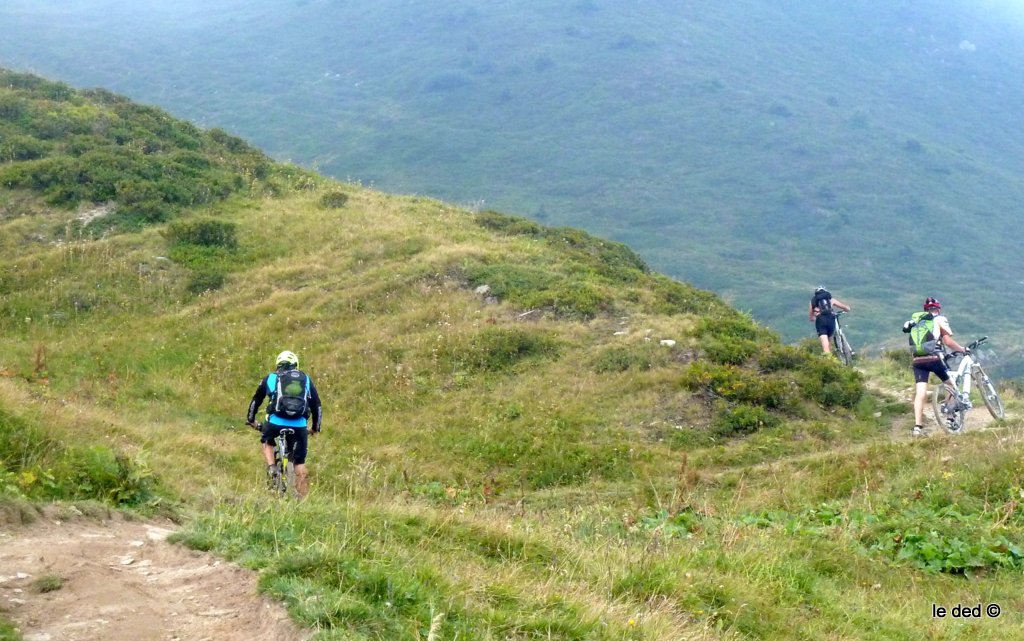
(287, 358)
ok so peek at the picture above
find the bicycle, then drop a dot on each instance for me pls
(282, 479)
(842, 346)
(951, 413)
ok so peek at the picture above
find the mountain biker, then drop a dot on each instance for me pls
(822, 313)
(932, 362)
(306, 413)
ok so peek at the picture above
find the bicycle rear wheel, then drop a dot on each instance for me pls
(843, 349)
(949, 413)
(988, 392)
(278, 482)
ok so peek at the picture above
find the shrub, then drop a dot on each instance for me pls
(333, 200)
(743, 419)
(728, 350)
(829, 383)
(730, 339)
(205, 281)
(781, 357)
(505, 224)
(735, 384)
(206, 232)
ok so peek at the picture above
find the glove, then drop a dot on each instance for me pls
(907, 326)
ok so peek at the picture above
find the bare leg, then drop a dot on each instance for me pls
(825, 345)
(920, 394)
(268, 453)
(301, 480)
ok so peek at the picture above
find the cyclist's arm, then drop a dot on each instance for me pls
(946, 335)
(810, 312)
(315, 409)
(257, 400)
(841, 305)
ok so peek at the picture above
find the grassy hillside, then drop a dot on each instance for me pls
(748, 148)
(510, 452)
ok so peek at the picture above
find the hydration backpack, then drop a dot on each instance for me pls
(923, 341)
(289, 394)
(823, 301)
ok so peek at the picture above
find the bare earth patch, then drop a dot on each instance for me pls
(120, 579)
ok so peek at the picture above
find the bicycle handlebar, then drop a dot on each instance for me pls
(971, 347)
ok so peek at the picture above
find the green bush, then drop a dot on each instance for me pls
(735, 384)
(781, 357)
(742, 419)
(826, 381)
(505, 224)
(206, 232)
(205, 281)
(333, 200)
(728, 350)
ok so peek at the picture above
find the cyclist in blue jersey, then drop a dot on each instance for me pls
(293, 402)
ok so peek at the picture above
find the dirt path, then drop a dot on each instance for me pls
(122, 581)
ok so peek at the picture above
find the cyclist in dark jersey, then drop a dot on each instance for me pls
(821, 313)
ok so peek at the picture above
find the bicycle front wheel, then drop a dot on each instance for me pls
(843, 349)
(949, 413)
(989, 395)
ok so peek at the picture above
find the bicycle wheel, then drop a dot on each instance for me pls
(988, 392)
(843, 349)
(949, 413)
(279, 480)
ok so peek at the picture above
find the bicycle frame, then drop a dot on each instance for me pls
(283, 444)
(844, 352)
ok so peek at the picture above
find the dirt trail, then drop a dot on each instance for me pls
(123, 581)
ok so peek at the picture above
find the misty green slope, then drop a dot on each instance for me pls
(534, 466)
(747, 148)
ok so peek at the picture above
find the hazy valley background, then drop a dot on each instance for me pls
(748, 148)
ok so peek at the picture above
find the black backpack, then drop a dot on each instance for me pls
(823, 301)
(289, 395)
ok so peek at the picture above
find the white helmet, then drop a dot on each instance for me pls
(287, 358)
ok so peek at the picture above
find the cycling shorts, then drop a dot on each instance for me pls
(825, 324)
(922, 368)
(300, 439)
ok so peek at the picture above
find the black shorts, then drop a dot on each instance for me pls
(300, 440)
(825, 324)
(922, 368)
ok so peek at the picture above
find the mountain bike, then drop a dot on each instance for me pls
(842, 346)
(282, 479)
(952, 412)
